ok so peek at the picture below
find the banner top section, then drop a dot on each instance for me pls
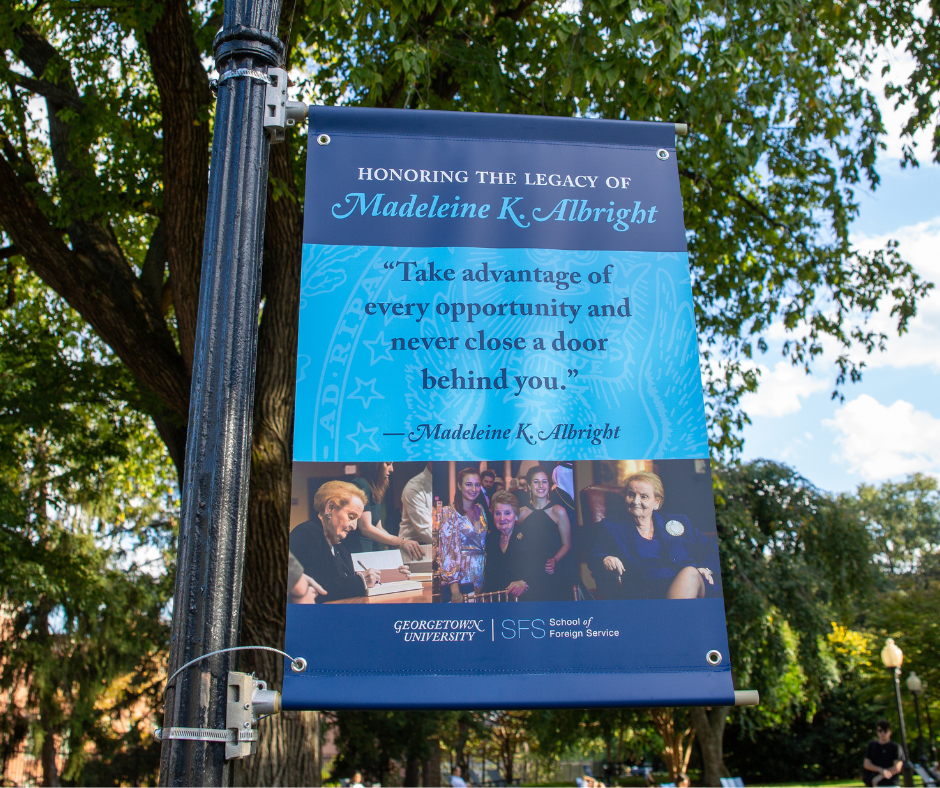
(419, 179)
(489, 126)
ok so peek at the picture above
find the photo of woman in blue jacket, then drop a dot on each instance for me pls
(652, 556)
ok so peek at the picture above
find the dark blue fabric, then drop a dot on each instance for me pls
(513, 660)
(488, 126)
(346, 204)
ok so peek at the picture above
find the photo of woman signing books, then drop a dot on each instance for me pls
(320, 545)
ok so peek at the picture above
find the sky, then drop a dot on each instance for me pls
(888, 425)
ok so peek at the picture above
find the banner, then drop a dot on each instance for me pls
(501, 492)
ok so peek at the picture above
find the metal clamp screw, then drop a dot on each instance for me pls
(713, 657)
(662, 154)
(323, 139)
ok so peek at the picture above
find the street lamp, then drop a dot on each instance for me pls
(916, 686)
(933, 744)
(893, 657)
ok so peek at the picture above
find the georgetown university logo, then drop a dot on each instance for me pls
(439, 630)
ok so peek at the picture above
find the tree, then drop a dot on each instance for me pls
(103, 189)
(84, 538)
(378, 743)
(825, 741)
(916, 27)
(624, 735)
(107, 206)
(903, 519)
(677, 732)
(793, 560)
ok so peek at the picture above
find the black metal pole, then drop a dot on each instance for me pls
(218, 449)
(908, 774)
(920, 735)
(933, 743)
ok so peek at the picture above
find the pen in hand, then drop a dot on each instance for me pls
(377, 582)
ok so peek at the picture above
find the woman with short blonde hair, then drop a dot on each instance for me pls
(320, 548)
(337, 493)
(652, 555)
(650, 478)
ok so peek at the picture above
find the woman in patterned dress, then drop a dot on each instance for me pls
(463, 538)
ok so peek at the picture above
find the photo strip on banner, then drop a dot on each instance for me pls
(501, 488)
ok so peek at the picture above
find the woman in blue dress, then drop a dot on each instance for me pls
(653, 556)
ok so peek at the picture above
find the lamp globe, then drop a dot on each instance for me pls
(891, 655)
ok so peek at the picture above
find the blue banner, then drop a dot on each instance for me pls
(499, 400)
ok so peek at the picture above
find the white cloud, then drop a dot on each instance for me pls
(880, 442)
(781, 392)
(920, 246)
(900, 65)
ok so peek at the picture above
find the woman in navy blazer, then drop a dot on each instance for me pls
(653, 556)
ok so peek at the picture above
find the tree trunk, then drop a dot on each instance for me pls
(460, 751)
(412, 766)
(509, 752)
(50, 772)
(287, 754)
(677, 739)
(431, 773)
(709, 728)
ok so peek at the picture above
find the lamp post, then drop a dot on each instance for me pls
(214, 508)
(916, 686)
(930, 738)
(893, 657)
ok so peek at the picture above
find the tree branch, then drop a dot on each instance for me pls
(106, 294)
(186, 102)
(47, 90)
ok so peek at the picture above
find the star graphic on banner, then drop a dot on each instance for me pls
(378, 344)
(365, 395)
(360, 436)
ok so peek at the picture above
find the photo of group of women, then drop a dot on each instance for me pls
(503, 531)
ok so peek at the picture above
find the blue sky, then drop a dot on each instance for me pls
(887, 425)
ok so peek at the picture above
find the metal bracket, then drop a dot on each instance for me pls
(204, 734)
(248, 700)
(279, 112)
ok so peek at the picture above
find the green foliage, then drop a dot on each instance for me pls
(84, 536)
(897, 596)
(781, 140)
(376, 742)
(793, 561)
(903, 518)
(783, 134)
(915, 27)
